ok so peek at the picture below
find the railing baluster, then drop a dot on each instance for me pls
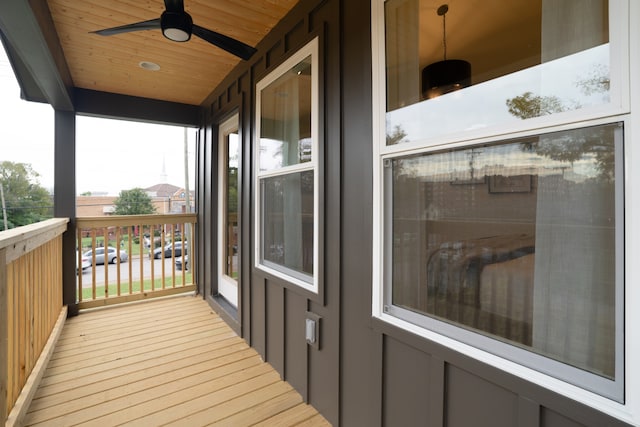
(79, 269)
(105, 260)
(130, 266)
(118, 260)
(93, 263)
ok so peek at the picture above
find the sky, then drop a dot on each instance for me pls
(111, 155)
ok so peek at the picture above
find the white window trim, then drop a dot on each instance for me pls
(310, 49)
(625, 97)
(227, 286)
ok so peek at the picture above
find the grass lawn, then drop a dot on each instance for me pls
(135, 286)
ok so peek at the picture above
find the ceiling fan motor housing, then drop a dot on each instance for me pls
(176, 26)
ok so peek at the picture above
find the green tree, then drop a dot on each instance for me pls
(26, 201)
(134, 202)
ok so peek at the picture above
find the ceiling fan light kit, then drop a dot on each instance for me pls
(177, 25)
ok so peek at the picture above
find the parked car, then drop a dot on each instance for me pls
(168, 250)
(112, 255)
(179, 263)
(86, 263)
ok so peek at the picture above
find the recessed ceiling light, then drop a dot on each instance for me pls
(147, 65)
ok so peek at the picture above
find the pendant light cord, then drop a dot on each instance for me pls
(442, 11)
(444, 35)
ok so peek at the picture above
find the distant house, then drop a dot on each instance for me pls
(167, 199)
(162, 190)
(95, 205)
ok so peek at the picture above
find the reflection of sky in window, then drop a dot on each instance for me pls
(233, 150)
(484, 104)
(271, 153)
(504, 159)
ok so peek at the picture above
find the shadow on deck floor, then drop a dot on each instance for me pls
(164, 362)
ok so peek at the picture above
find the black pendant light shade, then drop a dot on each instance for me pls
(447, 75)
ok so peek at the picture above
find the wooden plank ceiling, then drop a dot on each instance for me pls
(188, 71)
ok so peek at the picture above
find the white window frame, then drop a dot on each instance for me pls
(625, 94)
(307, 283)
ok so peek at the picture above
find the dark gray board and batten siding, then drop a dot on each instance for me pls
(366, 372)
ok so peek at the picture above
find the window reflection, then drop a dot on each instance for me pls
(287, 221)
(285, 122)
(231, 215)
(528, 59)
(514, 240)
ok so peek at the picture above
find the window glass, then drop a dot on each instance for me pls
(524, 59)
(513, 240)
(285, 121)
(230, 237)
(287, 222)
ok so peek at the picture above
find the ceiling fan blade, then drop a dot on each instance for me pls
(233, 46)
(153, 24)
(174, 5)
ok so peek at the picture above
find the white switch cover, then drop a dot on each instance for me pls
(310, 331)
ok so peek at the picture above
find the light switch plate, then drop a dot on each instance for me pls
(312, 329)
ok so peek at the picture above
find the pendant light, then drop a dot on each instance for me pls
(447, 75)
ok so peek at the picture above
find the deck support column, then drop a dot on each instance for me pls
(65, 201)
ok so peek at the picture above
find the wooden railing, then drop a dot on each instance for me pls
(132, 270)
(30, 303)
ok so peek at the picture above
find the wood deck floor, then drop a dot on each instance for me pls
(165, 362)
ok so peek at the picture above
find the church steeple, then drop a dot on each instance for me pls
(163, 175)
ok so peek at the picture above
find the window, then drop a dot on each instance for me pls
(229, 209)
(287, 170)
(500, 193)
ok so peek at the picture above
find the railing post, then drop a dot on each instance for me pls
(4, 337)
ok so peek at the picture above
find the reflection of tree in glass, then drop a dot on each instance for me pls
(528, 105)
(396, 136)
(593, 142)
(574, 145)
(597, 82)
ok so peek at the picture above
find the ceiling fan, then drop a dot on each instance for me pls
(177, 25)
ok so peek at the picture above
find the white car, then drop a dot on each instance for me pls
(112, 255)
(86, 263)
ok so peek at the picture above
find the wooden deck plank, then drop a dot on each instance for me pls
(170, 372)
(248, 399)
(294, 416)
(125, 329)
(72, 382)
(130, 401)
(177, 406)
(160, 362)
(262, 411)
(99, 334)
(127, 348)
(59, 374)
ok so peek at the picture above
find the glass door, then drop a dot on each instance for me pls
(228, 206)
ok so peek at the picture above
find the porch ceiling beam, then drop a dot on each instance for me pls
(35, 53)
(112, 105)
